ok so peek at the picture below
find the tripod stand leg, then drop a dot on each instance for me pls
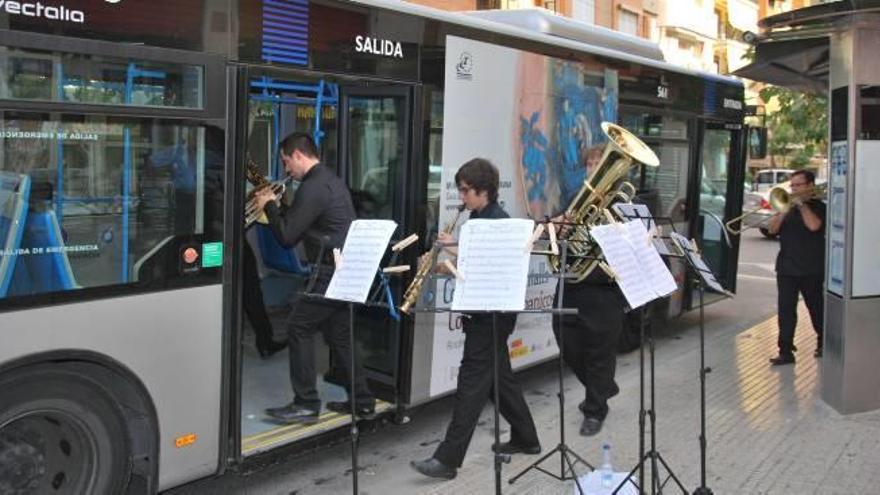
(640, 466)
(671, 472)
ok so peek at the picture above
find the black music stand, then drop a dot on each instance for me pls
(565, 452)
(700, 276)
(703, 276)
(372, 301)
(499, 458)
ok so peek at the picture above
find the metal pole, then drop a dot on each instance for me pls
(352, 402)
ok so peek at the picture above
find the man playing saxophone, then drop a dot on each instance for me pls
(477, 182)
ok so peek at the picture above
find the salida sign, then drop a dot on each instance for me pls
(378, 46)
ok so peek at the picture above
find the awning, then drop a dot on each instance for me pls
(800, 64)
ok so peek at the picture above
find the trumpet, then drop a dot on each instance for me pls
(252, 213)
(781, 199)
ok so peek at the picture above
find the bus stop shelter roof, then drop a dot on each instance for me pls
(792, 48)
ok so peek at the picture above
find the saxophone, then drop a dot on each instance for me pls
(251, 212)
(414, 291)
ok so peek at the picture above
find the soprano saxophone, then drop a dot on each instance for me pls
(414, 291)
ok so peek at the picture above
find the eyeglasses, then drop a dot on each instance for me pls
(464, 189)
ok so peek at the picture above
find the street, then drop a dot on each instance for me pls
(384, 455)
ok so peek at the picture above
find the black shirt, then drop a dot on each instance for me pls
(801, 251)
(321, 208)
(491, 210)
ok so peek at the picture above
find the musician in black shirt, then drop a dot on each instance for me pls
(477, 182)
(320, 215)
(800, 264)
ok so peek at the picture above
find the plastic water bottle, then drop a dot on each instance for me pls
(606, 472)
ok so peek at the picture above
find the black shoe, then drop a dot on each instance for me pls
(266, 350)
(781, 360)
(293, 413)
(591, 426)
(363, 411)
(434, 469)
(511, 448)
(818, 352)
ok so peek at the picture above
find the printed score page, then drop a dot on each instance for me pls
(697, 262)
(631, 211)
(493, 258)
(618, 252)
(661, 280)
(365, 244)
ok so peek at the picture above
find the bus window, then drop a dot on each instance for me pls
(106, 195)
(78, 78)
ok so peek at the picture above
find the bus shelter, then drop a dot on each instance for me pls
(828, 49)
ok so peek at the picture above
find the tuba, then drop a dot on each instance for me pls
(251, 212)
(411, 296)
(605, 185)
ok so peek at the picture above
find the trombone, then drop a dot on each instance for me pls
(780, 199)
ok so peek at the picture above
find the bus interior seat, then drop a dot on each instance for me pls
(277, 257)
(43, 272)
(14, 193)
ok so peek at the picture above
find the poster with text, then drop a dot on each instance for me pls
(837, 217)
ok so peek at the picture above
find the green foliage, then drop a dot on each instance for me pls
(798, 129)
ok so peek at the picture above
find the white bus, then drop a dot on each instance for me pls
(126, 363)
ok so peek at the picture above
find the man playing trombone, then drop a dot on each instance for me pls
(800, 264)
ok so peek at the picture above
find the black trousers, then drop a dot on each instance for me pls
(788, 287)
(254, 307)
(475, 387)
(305, 321)
(590, 344)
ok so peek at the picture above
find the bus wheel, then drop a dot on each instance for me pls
(60, 433)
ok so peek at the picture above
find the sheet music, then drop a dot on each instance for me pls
(705, 273)
(616, 248)
(365, 245)
(661, 280)
(494, 261)
(629, 211)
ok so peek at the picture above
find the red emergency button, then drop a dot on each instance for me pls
(190, 255)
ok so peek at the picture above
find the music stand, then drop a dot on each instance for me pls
(701, 275)
(499, 458)
(565, 452)
(371, 301)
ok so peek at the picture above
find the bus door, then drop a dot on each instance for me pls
(374, 154)
(719, 179)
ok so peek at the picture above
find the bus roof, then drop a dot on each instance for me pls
(602, 44)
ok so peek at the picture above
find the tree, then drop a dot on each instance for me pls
(798, 129)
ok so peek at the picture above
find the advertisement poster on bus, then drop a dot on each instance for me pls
(538, 120)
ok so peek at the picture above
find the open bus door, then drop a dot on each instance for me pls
(719, 179)
(375, 150)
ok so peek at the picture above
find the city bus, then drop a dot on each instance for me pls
(127, 362)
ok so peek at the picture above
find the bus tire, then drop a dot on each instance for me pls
(60, 432)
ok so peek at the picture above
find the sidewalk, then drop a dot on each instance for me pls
(768, 431)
